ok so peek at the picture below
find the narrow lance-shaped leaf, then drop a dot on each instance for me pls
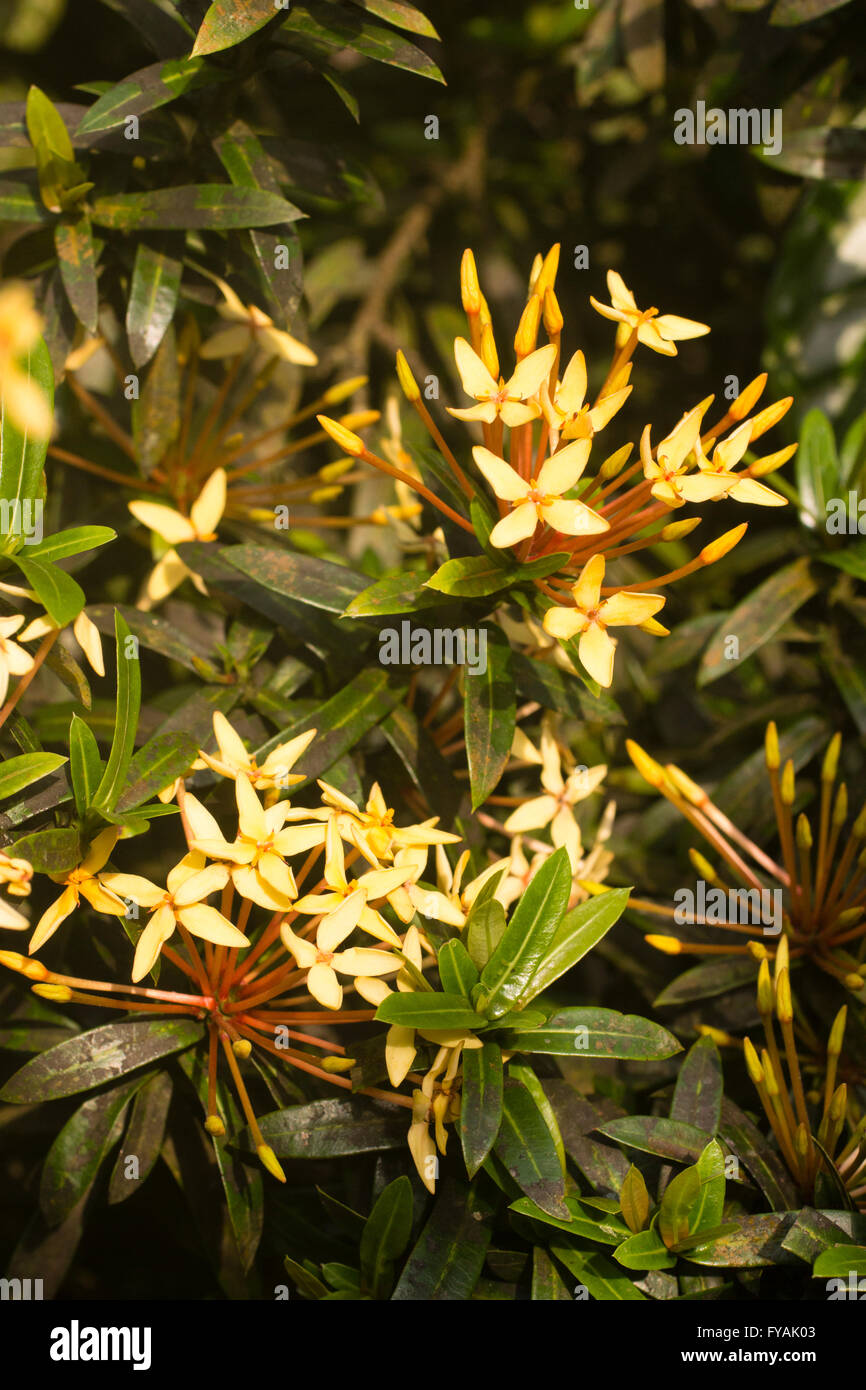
(527, 938)
(200, 207)
(481, 1103)
(489, 714)
(100, 1055)
(152, 301)
(386, 1235)
(126, 719)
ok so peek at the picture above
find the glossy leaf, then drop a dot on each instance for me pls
(146, 90)
(80, 1148)
(527, 939)
(322, 30)
(100, 1055)
(386, 1235)
(634, 1200)
(152, 300)
(143, 1137)
(457, 971)
(698, 1091)
(73, 241)
(18, 773)
(213, 206)
(49, 851)
(592, 1032)
(527, 1148)
(481, 1103)
(333, 1128)
(489, 714)
(484, 929)
(654, 1135)
(22, 458)
(396, 593)
(428, 1011)
(577, 933)
(126, 718)
(758, 618)
(228, 22)
(645, 1250)
(59, 594)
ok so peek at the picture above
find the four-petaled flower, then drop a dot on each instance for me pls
(540, 499)
(566, 411)
(182, 900)
(324, 965)
(666, 471)
(173, 528)
(592, 615)
(252, 325)
(20, 327)
(373, 831)
(510, 400)
(742, 487)
(657, 331)
(562, 794)
(233, 757)
(81, 882)
(345, 905)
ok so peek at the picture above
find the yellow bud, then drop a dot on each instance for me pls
(683, 783)
(338, 1064)
(669, 944)
(784, 1002)
(547, 273)
(489, 355)
(325, 494)
(649, 769)
(770, 416)
(470, 290)
(408, 384)
(348, 442)
(552, 314)
(747, 397)
(33, 969)
(717, 549)
(527, 330)
(840, 806)
(756, 950)
(770, 1081)
(342, 390)
(535, 271)
(590, 886)
(766, 993)
(859, 827)
(801, 1140)
(61, 994)
(484, 313)
(837, 1032)
(804, 832)
(654, 628)
(718, 1036)
(771, 747)
(853, 982)
(678, 529)
(331, 471)
(615, 463)
(787, 785)
(753, 1065)
(242, 1047)
(703, 866)
(357, 419)
(831, 759)
(770, 463)
(270, 1161)
(783, 956)
(839, 1103)
(850, 916)
(233, 440)
(214, 1125)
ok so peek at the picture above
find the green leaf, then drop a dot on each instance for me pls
(333, 1128)
(203, 207)
(756, 1241)
(405, 16)
(457, 971)
(143, 1138)
(316, 582)
(745, 1140)
(698, 1091)
(469, 576)
(681, 1195)
(526, 1147)
(527, 939)
(80, 1148)
(578, 932)
(152, 301)
(386, 1235)
(55, 157)
(155, 766)
(396, 593)
(447, 1258)
(547, 1286)
(22, 458)
(671, 1139)
(706, 1212)
(816, 469)
(49, 851)
(591, 1032)
(489, 716)
(158, 635)
(556, 689)
(71, 542)
(758, 618)
(787, 12)
(481, 1103)
(484, 929)
(645, 1250)
(126, 718)
(322, 30)
(156, 412)
(634, 1200)
(228, 22)
(18, 773)
(574, 1221)
(598, 1275)
(424, 762)
(840, 1261)
(428, 1011)
(19, 203)
(73, 241)
(101, 1055)
(146, 90)
(56, 590)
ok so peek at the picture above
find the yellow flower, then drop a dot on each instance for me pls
(540, 500)
(741, 486)
(325, 965)
(509, 400)
(671, 462)
(592, 615)
(451, 903)
(81, 882)
(174, 529)
(346, 906)
(182, 900)
(252, 325)
(20, 327)
(373, 831)
(566, 412)
(556, 807)
(233, 757)
(15, 874)
(659, 332)
(85, 631)
(14, 660)
(257, 857)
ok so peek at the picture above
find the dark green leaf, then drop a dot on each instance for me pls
(654, 1135)
(73, 241)
(428, 1011)
(481, 1103)
(80, 1148)
(528, 1150)
(699, 1087)
(592, 1032)
(386, 1235)
(49, 851)
(758, 618)
(203, 206)
(143, 1138)
(126, 718)
(98, 1056)
(18, 773)
(446, 1260)
(152, 300)
(332, 1128)
(579, 931)
(510, 970)
(146, 90)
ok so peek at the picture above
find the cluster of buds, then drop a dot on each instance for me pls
(822, 876)
(538, 459)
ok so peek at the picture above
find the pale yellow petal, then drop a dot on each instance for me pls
(596, 651)
(517, 526)
(506, 483)
(165, 521)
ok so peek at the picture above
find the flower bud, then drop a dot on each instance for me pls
(408, 384)
(348, 442)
